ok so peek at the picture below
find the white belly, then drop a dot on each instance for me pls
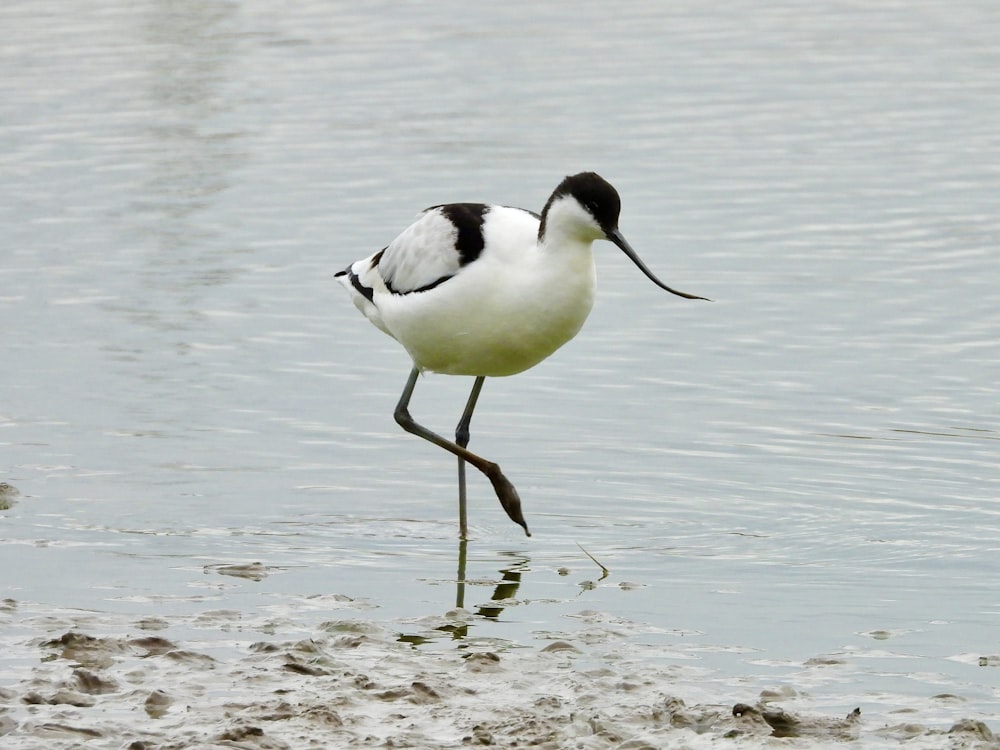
(494, 318)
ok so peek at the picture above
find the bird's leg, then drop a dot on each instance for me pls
(462, 441)
(506, 493)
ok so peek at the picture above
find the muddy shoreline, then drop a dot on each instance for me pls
(100, 680)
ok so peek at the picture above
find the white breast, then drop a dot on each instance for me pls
(501, 314)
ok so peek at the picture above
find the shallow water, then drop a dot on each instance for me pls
(794, 487)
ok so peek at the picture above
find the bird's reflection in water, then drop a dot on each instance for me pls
(504, 589)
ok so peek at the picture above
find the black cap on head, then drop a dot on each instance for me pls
(594, 193)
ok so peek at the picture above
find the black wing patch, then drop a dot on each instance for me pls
(468, 219)
(365, 291)
(406, 264)
(424, 288)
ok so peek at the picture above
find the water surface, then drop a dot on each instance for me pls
(795, 488)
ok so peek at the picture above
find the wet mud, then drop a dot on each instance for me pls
(226, 680)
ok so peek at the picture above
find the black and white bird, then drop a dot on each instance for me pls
(488, 291)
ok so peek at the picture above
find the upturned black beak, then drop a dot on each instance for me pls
(616, 237)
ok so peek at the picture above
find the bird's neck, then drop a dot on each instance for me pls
(565, 223)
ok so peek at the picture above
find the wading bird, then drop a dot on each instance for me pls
(488, 291)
